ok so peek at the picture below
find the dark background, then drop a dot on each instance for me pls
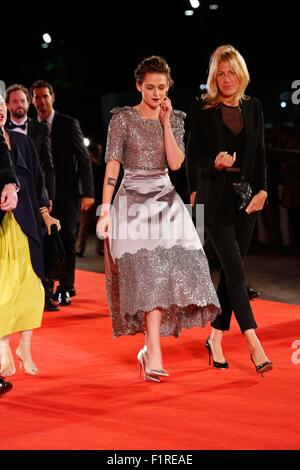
(96, 49)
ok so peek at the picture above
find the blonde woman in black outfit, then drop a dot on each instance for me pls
(226, 145)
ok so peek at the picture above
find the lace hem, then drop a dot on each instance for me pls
(176, 281)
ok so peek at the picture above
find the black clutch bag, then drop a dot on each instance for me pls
(243, 195)
(54, 255)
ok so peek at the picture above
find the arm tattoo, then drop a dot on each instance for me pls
(111, 181)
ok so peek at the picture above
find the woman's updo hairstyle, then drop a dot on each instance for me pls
(152, 64)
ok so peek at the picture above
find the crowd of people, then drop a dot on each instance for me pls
(48, 177)
(50, 168)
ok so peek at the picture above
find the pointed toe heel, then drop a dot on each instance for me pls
(216, 364)
(262, 368)
(150, 375)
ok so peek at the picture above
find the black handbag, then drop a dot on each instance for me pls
(243, 194)
(54, 255)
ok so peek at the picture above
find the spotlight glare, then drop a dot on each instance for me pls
(188, 12)
(86, 141)
(47, 38)
(283, 104)
(195, 3)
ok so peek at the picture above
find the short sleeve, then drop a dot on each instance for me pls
(115, 144)
(177, 123)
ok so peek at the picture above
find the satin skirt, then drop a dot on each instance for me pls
(22, 293)
(154, 259)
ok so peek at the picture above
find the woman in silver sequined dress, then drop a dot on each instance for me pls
(157, 275)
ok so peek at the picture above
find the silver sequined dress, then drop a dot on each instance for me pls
(153, 257)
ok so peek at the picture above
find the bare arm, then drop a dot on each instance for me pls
(110, 181)
(109, 186)
(175, 155)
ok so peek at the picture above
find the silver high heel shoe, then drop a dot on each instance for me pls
(161, 372)
(24, 355)
(150, 375)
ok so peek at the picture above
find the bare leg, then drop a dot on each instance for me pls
(215, 340)
(23, 352)
(152, 340)
(256, 349)
(7, 360)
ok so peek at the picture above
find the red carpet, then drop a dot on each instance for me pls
(88, 394)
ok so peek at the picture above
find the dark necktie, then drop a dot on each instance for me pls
(12, 125)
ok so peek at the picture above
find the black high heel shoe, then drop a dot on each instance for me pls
(261, 368)
(5, 386)
(217, 365)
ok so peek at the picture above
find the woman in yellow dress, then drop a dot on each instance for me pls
(21, 254)
(8, 201)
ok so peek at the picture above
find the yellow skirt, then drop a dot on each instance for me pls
(22, 294)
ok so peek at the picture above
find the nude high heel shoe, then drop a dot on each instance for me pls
(26, 363)
(7, 361)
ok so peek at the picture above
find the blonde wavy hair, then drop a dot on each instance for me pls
(226, 53)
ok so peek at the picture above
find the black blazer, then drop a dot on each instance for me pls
(39, 133)
(31, 196)
(7, 172)
(73, 169)
(206, 140)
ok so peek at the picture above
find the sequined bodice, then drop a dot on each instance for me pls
(137, 142)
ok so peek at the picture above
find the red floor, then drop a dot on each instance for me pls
(88, 394)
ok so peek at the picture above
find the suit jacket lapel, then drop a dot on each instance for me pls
(55, 131)
(31, 129)
(246, 110)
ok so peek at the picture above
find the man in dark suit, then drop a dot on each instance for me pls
(73, 175)
(18, 101)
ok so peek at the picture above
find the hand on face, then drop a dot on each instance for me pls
(165, 110)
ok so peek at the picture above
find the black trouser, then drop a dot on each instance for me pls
(67, 211)
(231, 239)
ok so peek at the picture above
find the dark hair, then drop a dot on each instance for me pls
(41, 84)
(17, 87)
(153, 64)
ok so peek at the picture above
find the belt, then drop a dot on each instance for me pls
(234, 170)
